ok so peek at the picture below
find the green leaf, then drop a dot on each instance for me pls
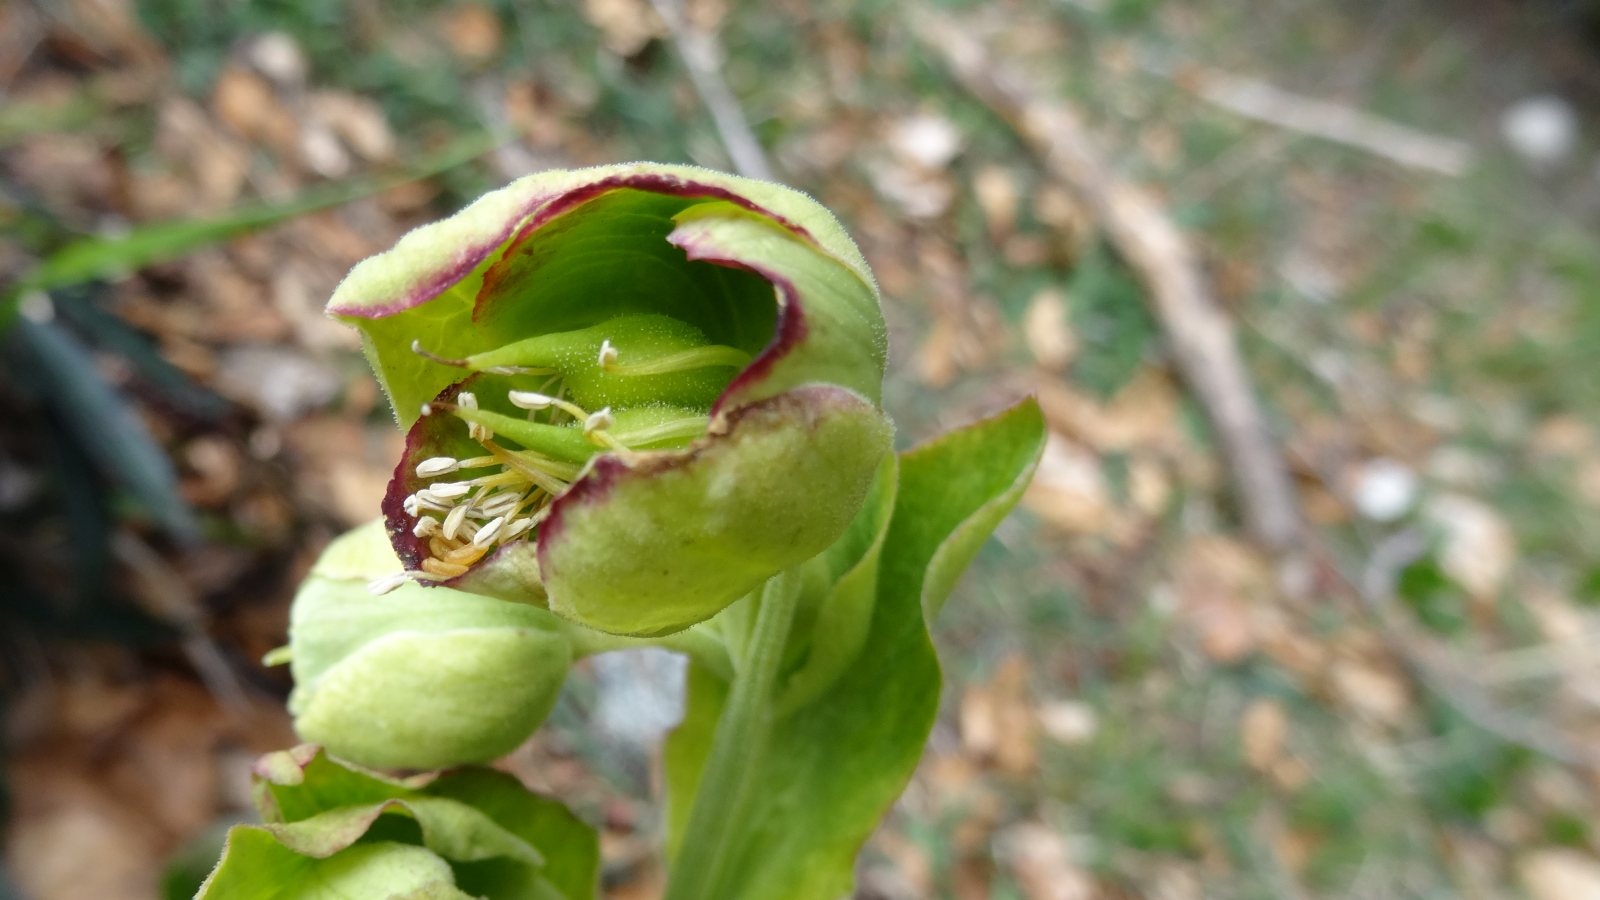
(304, 782)
(836, 764)
(103, 422)
(502, 840)
(255, 866)
(95, 258)
(829, 639)
(571, 848)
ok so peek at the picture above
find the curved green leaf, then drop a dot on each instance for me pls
(502, 841)
(255, 866)
(838, 762)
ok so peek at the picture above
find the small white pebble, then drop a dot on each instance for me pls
(1385, 489)
(1543, 129)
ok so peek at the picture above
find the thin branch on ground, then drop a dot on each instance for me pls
(1200, 335)
(1271, 105)
(1437, 671)
(702, 57)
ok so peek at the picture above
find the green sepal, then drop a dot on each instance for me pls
(562, 250)
(834, 765)
(419, 677)
(655, 546)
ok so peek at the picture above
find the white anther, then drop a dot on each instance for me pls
(599, 420)
(452, 522)
(530, 400)
(486, 534)
(427, 526)
(608, 354)
(426, 501)
(380, 586)
(436, 466)
(517, 527)
(467, 400)
(499, 504)
(447, 490)
(410, 505)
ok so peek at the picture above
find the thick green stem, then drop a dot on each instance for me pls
(739, 742)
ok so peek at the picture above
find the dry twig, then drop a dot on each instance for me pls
(702, 57)
(1436, 670)
(1161, 255)
(1343, 125)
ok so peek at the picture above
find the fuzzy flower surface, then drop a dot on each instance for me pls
(631, 394)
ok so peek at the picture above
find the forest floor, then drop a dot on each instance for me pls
(1139, 701)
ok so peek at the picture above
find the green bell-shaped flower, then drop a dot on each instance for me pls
(632, 393)
(415, 678)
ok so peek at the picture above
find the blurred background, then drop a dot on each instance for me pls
(1305, 601)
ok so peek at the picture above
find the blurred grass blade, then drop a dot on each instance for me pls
(102, 422)
(103, 331)
(94, 258)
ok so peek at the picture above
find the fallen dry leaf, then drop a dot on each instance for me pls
(1041, 860)
(997, 724)
(1262, 730)
(1143, 415)
(1044, 327)
(1560, 873)
(473, 32)
(246, 102)
(1479, 548)
(995, 188)
(1375, 693)
(626, 26)
(1223, 587)
(1069, 490)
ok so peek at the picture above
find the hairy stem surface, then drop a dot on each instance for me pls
(740, 740)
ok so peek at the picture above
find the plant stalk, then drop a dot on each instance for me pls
(740, 740)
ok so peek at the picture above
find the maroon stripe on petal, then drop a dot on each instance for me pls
(422, 441)
(460, 266)
(650, 182)
(655, 183)
(791, 328)
(806, 402)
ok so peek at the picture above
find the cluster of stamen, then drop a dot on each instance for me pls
(457, 520)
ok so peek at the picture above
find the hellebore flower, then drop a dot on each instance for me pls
(632, 394)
